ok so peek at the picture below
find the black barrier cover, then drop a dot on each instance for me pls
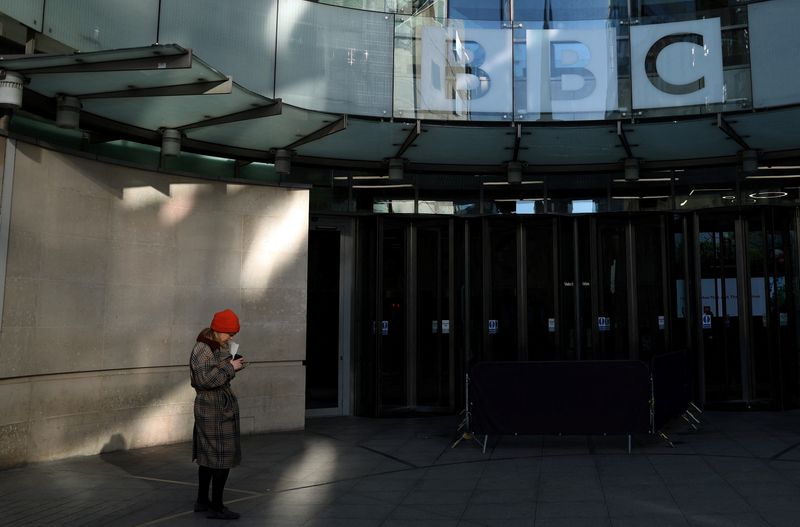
(581, 397)
(672, 388)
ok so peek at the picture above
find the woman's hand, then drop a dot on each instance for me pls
(238, 364)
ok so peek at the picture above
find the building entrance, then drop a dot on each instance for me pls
(436, 295)
(744, 275)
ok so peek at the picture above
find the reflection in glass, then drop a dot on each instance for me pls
(562, 10)
(719, 300)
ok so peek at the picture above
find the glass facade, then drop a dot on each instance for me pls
(462, 60)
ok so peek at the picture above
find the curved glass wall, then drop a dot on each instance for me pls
(468, 60)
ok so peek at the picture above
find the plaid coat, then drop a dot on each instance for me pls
(215, 440)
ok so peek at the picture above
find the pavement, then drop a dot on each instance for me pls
(738, 469)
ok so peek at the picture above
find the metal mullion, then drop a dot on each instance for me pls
(376, 324)
(411, 312)
(665, 274)
(576, 291)
(522, 295)
(745, 311)
(695, 320)
(556, 285)
(486, 297)
(595, 286)
(451, 287)
(467, 303)
(773, 325)
(633, 298)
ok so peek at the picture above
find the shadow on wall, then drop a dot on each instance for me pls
(115, 442)
(140, 261)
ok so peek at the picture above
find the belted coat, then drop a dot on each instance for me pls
(215, 440)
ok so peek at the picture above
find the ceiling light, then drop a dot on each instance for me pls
(648, 180)
(768, 194)
(357, 178)
(68, 112)
(11, 89)
(776, 176)
(283, 162)
(170, 142)
(400, 185)
(691, 192)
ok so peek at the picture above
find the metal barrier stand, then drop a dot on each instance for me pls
(465, 426)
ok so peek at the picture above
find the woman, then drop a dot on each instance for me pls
(216, 412)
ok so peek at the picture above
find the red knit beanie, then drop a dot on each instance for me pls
(225, 322)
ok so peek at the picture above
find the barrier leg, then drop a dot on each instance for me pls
(666, 438)
(690, 418)
(465, 423)
(629, 443)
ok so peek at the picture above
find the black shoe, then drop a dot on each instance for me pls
(201, 506)
(223, 514)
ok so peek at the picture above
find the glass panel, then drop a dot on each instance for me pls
(433, 322)
(334, 59)
(29, 12)
(367, 5)
(501, 319)
(475, 330)
(560, 10)
(392, 325)
(322, 344)
(762, 303)
(771, 186)
(720, 310)
(679, 322)
(437, 196)
(704, 188)
(650, 192)
(568, 72)
(574, 319)
(494, 10)
(774, 358)
(577, 193)
(366, 326)
(612, 290)
(650, 262)
(670, 9)
(456, 70)
(232, 39)
(540, 274)
(782, 250)
(772, 33)
(383, 197)
(500, 197)
(689, 64)
(91, 25)
(428, 8)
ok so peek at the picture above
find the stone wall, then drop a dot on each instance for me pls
(111, 273)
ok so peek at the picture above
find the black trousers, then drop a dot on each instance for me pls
(216, 478)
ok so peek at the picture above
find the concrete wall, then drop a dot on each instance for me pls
(111, 273)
